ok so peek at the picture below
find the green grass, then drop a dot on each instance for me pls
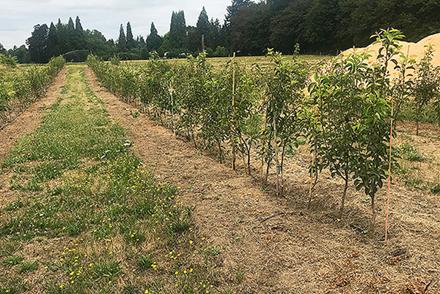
(145, 262)
(28, 266)
(415, 182)
(435, 189)
(409, 152)
(12, 260)
(80, 190)
(428, 114)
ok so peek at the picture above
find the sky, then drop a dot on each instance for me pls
(17, 17)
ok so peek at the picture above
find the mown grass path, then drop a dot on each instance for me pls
(83, 215)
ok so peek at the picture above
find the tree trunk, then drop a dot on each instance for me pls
(373, 214)
(266, 176)
(269, 160)
(417, 120)
(249, 161)
(193, 137)
(344, 195)
(311, 188)
(283, 153)
(234, 157)
(220, 151)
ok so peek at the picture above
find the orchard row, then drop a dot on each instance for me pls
(345, 110)
(20, 86)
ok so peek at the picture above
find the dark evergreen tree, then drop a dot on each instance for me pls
(178, 30)
(70, 36)
(131, 43)
(70, 25)
(154, 41)
(38, 44)
(21, 53)
(2, 49)
(141, 41)
(250, 30)
(321, 26)
(287, 26)
(61, 37)
(79, 39)
(204, 29)
(122, 41)
(78, 26)
(231, 14)
(193, 43)
(233, 9)
(52, 41)
(215, 34)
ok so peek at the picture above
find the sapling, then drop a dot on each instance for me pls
(245, 120)
(313, 129)
(402, 86)
(284, 97)
(337, 93)
(352, 117)
(9, 61)
(216, 113)
(427, 83)
(313, 121)
(193, 92)
(396, 95)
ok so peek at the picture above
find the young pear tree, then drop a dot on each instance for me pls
(284, 81)
(427, 84)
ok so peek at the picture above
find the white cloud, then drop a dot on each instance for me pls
(18, 17)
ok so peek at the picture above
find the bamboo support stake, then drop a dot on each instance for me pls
(387, 205)
(234, 152)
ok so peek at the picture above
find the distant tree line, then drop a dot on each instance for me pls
(249, 28)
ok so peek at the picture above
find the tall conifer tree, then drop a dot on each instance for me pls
(131, 43)
(154, 41)
(122, 40)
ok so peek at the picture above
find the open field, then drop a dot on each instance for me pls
(246, 60)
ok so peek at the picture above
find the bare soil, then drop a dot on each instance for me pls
(270, 244)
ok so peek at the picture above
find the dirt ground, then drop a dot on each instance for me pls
(270, 244)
